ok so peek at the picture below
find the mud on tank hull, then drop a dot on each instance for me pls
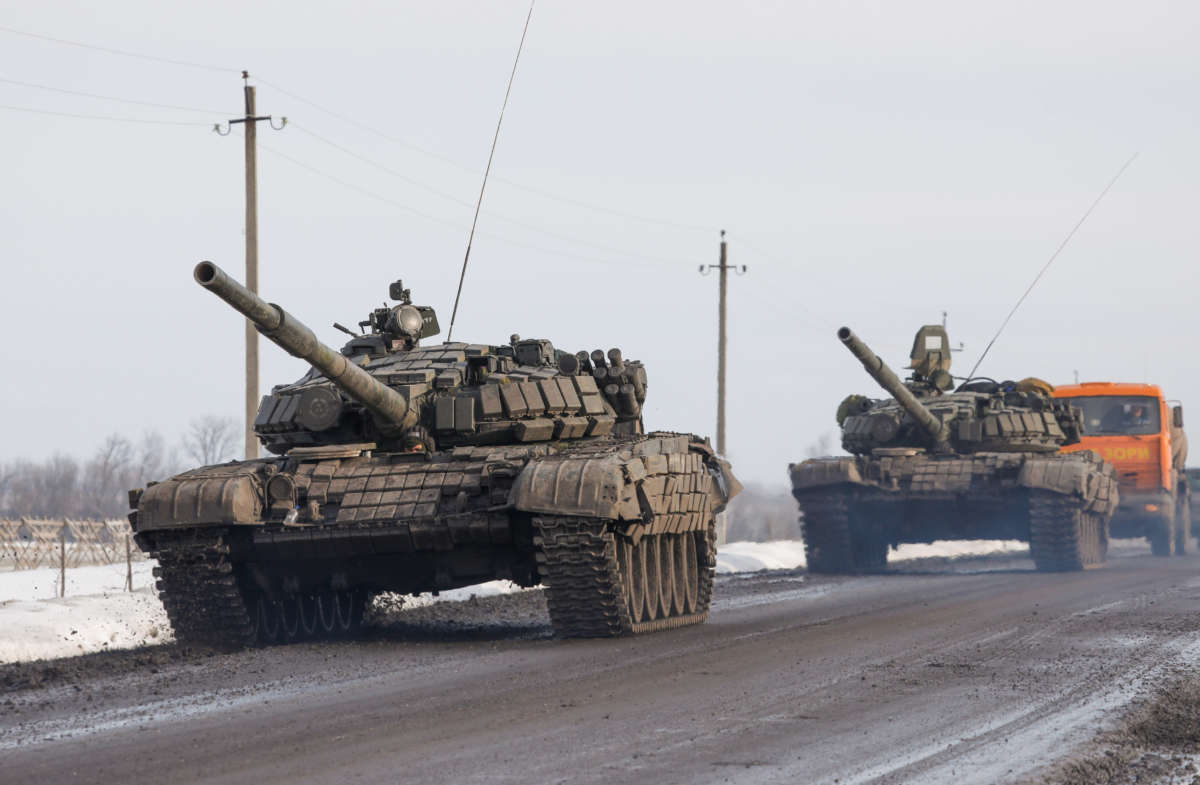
(620, 530)
(855, 508)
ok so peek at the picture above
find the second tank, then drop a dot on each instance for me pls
(926, 464)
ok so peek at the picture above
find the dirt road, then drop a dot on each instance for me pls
(979, 672)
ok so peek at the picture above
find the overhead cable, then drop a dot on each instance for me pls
(135, 102)
(102, 117)
(464, 203)
(121, 52)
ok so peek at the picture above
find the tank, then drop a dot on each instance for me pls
(401, 467)
(927, 463)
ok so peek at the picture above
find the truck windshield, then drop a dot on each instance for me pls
(1118, 415)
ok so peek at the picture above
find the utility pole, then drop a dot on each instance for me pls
(251, 120)
(723, 268)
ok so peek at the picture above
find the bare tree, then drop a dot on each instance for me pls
(60, 487)
(211, 439)
(107, 478)
(154, 461)
(57, 486)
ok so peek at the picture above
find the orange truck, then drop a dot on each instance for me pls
(1135, 429)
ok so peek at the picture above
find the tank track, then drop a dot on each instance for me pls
(199, 590)
(830, 545)
(591, 588)
(208, 605)
(1063, 536)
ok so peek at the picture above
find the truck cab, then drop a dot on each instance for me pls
(1133, 427)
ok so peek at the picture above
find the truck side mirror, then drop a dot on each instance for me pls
(1177, 416)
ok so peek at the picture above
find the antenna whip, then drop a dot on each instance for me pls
(1053, 256)
(479, 203)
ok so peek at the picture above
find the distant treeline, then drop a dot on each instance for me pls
(759, 514)
(64, 486)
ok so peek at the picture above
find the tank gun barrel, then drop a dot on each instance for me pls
(388, 406)
(891, 383)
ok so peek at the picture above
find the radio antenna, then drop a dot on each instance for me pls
(479, 202)
(1050, 261)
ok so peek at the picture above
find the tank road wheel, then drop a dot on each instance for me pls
(687, 560)
(636, 582)
(666, 575)
(650, 544)
(1183, 524)
(327, 612)
(678, 574)
(268, 620)
(289, 617)
(1062, 536)
(348, 607)
(309, 623)
(599, 584)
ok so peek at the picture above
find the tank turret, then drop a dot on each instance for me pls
(389, 407)
(383, 388)
(980, 416)
(937, 430)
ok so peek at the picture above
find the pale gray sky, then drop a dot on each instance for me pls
(874, 163)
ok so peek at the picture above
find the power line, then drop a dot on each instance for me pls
(109, 97)
(473, 170)
(366, 127)
(456, 226)
(464, 203)
(382, 167)
(121, 52)
(101, 117)
(741, 238)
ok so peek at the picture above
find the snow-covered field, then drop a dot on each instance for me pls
(97, 614)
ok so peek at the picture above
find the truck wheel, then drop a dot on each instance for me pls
(1183, 525)
(1161, 534)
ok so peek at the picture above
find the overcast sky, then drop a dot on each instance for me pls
(875, 164)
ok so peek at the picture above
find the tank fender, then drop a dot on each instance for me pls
(822, 472)
(1093, 480)
(231, 494)
(592, 486)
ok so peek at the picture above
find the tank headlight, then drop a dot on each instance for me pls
(1151, 508)
(407, 320)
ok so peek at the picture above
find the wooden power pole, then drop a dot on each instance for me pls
(723, 268)
(251, 120)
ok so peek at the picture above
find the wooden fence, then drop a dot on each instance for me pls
(30, 543)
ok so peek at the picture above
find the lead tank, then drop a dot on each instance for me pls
(408, 468)
(981, 462)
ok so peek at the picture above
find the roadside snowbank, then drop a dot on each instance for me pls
(789, 554)
(97, 614)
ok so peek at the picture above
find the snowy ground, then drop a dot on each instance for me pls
(97, 614)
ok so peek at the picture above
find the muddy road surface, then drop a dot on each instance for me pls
(968, 672)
